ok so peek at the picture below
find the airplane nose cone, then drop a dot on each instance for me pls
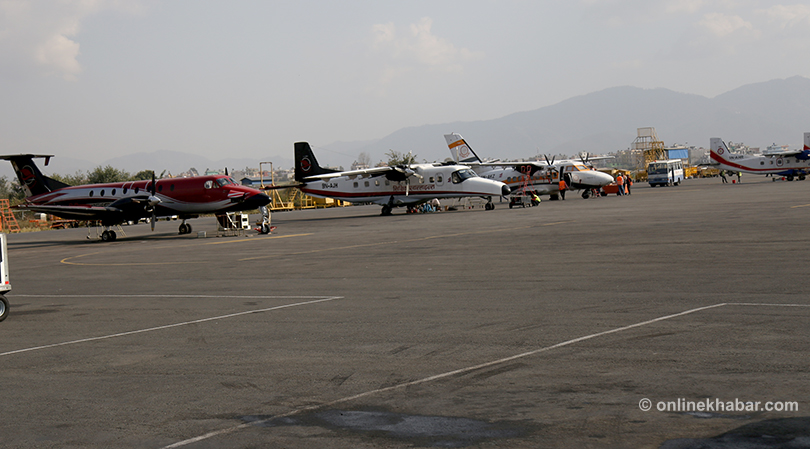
(505, 190)
(258, 200)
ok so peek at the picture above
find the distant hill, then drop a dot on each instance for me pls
(758, 114)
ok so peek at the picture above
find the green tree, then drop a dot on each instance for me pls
(397, 158)
(72, 180)
(109, 173)
(11, 190)
(143, 175)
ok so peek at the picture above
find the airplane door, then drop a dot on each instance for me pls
(440, 179)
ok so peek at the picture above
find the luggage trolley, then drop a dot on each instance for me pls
(4, 284)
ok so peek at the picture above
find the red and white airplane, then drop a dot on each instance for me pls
(393, 186)
(116, 203)
(790, 164)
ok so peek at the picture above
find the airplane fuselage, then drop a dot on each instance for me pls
(797, 164)
(178, 196)
(429, 181)
(547, 182)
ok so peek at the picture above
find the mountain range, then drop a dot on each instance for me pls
(776, 111)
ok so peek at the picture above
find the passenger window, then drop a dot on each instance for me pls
(387, 182)
(160, 188)
(209, 184)
(366, 183)
(102, 192)
(125, 191)
(171, 188)
(377, 182)
(91, 193)
(355, 184)
(431, 180)
(439, 178)
(113, 192)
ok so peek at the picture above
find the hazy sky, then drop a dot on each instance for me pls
(95, 79)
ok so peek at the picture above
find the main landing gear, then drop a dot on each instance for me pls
(108, 236)
(185, 228)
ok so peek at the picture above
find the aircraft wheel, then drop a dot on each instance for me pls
(188, 228)
(490, 206)
(510, 205)
(386, 210)
(107, 236)
(790, 178)
(183, 229)
(586, 194)
(4, 308)
(801, 177)
(113, 236)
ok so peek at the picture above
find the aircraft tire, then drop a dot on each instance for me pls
(386, 210)
(4, 307)
(107, 236)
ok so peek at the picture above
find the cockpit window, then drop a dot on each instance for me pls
(225, 181)
(209, 184)
(460, 175)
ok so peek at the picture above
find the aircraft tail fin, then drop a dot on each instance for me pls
(305, 162)
(29, 175)
(717, 148)
(806, 141)
(460, 150)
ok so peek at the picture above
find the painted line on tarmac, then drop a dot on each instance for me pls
(67, 260)
(186, 323)
(257, 238)
(393, 242)
(466, 370)
(801, 205)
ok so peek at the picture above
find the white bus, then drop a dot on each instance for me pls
(665, 173)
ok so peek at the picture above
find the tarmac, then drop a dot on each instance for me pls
(551, 326)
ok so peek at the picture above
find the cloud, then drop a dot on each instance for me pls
(40, 37)
(722, 25)
(417, 49)
(788, 17)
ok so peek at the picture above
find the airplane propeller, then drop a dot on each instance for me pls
(152, 202)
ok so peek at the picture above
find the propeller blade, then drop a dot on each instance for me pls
(152, 222)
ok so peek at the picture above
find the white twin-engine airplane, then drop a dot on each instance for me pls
(392, 186)
(541, 177)
(790, 164)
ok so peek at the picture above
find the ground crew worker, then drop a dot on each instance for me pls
(739, 175)
(563, 188)
(628, 184)
(723, 176)
(620, 183)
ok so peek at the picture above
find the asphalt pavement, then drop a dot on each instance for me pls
(576, 323)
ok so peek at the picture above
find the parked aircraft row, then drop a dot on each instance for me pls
(393, 186)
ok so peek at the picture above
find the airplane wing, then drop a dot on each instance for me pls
(396, 173)
(131, 207)
(782, 153)
(74, 212)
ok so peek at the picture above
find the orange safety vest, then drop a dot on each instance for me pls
(562, 185)
(620, 180)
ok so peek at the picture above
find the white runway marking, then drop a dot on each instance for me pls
(468, 369)
(169, 326)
